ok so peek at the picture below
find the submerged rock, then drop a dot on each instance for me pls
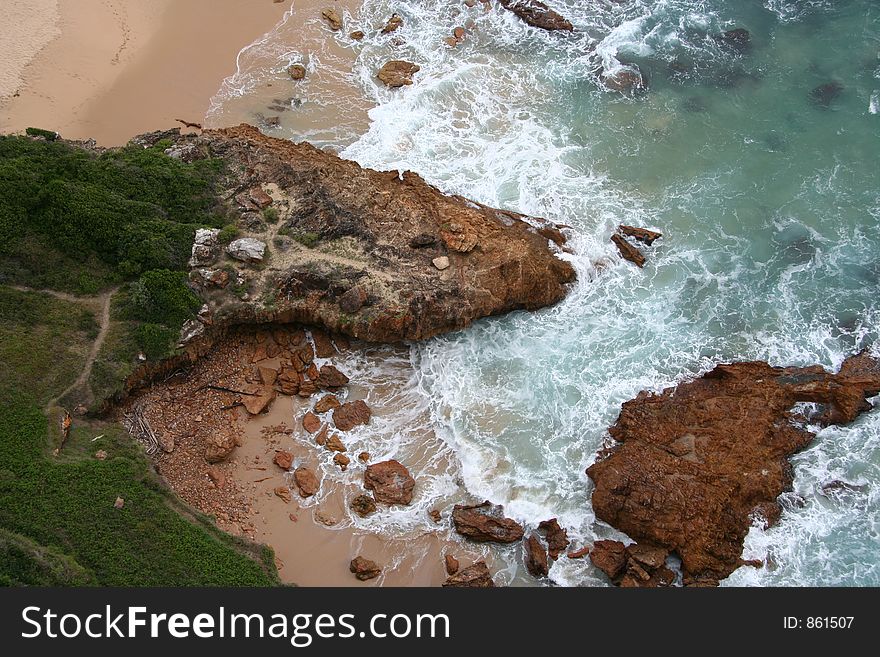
(474, 576)
(390, 482)
(537, 14)
(333, 19)
(393, 23)
(641, 234)
(363, 505)
(738, 38)
(296, 71)
(397, 73)
(825, 94)
(626, 80)
(695, 464)
(628, 251)
(486, 523)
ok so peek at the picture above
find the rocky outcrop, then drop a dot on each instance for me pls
(485, 523)
(825, 94)
(628, 251)
(397, 73)
(632, 566)
(474, 576)
(390, 482)
(557, 537)
(536, 557)
(696, 464)
(537, 14)
(382, 289)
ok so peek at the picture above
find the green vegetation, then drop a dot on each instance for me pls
(77, 221)
(306, 238)
(49, 135)
(271, 215)
(228, 233)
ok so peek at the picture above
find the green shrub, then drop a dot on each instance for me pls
(155, 341)
(162, 297)
(305, 238)
(271, 215)
(48, 135)
(228, 233)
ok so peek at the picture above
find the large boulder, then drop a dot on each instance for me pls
(536, 557)
(397, 73)
(476, 576)
(537, 14)
(485, 523)
(247, 249)
(390, 482)
(306, 481)
(694, 465)
(351, 414)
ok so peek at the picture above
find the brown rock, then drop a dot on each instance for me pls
(331, 378)
(258, 196)
(353, 300)
(284, 493)
(579, 554)
(398, 73)
(259, 400)
(327, 403)
(307, 389)
(364, 569)
(323, 344)
(334, 444)
(536, 557)
(312, 373)
(434, 514)
(485, 523)
(557, 537)
(219, 446)
(364, 457)
(268, 375)
(451, 564)
(628, 251)
(283, 459)
(351, 414)
(321, 436)
(296, 71)
(288, 388)
(626, 80)
(302, 357)
(695, 463)
(342, 461)
(363, 505)
(390, 482)
(537, 14)
(475, 576)
(609, 557)
(357, 35)
(393, 23)
(306, 481)
(333, 20)
(217, 475)
(641, 234)
(311, 422)
(458, 33)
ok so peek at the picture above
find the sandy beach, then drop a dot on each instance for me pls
(110, 69)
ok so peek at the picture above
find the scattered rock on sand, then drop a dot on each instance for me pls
(536, 557)
(321, 436)
(357, 35)
(537, 14)
(364, 457)
(351, 414)
(334, 444)
(327, 403)
(557, 537)
(364, 569)
(311, 422)
(259, 398)
(486, 523)
(342, 461)
(441, 262)
(332, 17)
(397, 73)
(296, 71)
(331, 378)
(284, 493)
(363, 505)
(632, 565)
(218, 446)
(434, 514)
(217, 475)
(306, 481)
(268, 375)
(451, 564)
(390, 482)
(475, 576)
(393, 23)
(283, 459)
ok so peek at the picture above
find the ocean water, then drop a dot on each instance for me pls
(768, 199)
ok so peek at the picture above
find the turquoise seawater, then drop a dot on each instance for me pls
(768, 198)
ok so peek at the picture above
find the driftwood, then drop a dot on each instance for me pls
(222, 389)
(139, 429)
(189, 124)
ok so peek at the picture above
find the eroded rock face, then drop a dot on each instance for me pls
(390, 482)
(474, 576)
(486, 523)
(537, 14)
(696, 462)
(498, 260)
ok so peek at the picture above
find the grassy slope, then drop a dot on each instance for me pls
(58, 524)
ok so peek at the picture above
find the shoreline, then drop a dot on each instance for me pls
(133, 63)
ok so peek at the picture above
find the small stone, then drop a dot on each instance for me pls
(283, 459)
(296, 71)
(390, 482)
(451, 564)
(311, 422)
(101, 455)
(475, 576)
(434, 514)
(579, 554)
(351, 414)
(327, 403)
(364, 569)
(217, 475)
(357, 35)
(247, 249)
(342, 461)
(363, 505)
(334, 444)
(321, 436)
(330, 377)
(441, 262)
(284, 493)
(397, 73)
(458, 33)
(333, 20)
(364, 457)
(393, 23)
(119, 503)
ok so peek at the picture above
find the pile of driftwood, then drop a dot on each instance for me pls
(139, 429)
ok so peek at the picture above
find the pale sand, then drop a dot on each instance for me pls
(122, 67)
(26, 28)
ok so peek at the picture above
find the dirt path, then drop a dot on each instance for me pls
(104, 326)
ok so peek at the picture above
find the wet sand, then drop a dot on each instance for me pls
(122, 67)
